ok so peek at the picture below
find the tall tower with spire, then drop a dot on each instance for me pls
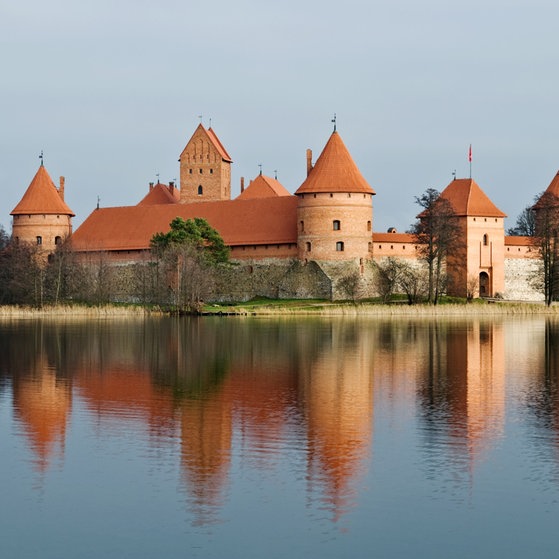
(42, 217)
(335, 208)
(205, 168)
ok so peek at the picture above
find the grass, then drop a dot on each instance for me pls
(447, 306)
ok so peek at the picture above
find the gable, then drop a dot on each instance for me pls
(204, 147)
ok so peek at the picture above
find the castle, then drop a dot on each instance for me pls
(327, 221)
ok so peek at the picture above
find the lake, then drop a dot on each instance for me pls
(225, 437)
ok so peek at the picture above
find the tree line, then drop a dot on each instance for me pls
(178, 272)
(181, 268)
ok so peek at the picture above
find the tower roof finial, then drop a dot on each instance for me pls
(41, 158)
(334, 121)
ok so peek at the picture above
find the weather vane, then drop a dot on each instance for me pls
(157, 175)
(334, 121)
(260, 166)
(200, 117)
(41, 158)
(454, 174)
(276, 174)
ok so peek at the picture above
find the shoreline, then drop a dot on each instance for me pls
(292, 308)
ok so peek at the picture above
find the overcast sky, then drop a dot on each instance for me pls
(111, 91)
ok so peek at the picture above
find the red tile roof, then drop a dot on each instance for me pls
(552, 189)
(263, 187)
(393, 238)
(520, 241)
(257, 221)
(161, 194)
(42, 197)
(335, 171)
(212, 137)
(468, 199)
(219, 146)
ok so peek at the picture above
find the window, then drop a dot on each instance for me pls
(339, 246)
(39, 240)
(302, 225)
(368, 225)
(57, 240)
(190, 171)
(485, 240)
(308, 247)
(200, 190)
(336, 225)
(211, 171)
(201, 171)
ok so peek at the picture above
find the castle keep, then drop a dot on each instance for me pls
(328, 222)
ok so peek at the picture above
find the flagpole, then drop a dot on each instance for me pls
(470, 160)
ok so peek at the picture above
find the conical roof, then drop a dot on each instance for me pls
(335, 171)
(468, 199)
(551, 194)
(263, 187)
(42, 197)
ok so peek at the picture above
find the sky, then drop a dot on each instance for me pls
(112, 90)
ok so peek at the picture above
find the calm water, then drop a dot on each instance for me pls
(226, 438)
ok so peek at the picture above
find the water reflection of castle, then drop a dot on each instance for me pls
(216, 385)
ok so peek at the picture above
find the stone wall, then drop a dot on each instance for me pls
(520, 279)
(276, 279)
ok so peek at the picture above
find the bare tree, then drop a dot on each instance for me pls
(350, 285)
(472, 284)
(437, 233)
(21, 274)
(388, 273)
(525, 223)
(547, 231)
(414, 282)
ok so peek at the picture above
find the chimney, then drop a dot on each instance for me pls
(171, 186)
(150, 185)
(61, 189)
(309, 161)
(242, 184)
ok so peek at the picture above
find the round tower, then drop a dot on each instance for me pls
(335, 208)
(42, 217)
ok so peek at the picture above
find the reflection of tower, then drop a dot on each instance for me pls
(206, 438)
(463, 389)
(339, 408)
(43, 403)
(543, 393)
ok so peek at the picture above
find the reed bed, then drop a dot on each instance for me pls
(277, 309)
(447, 310)
(75, 311)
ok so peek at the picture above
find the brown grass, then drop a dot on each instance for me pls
(364, 309)
(75, 311)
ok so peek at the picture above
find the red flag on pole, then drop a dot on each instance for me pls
(470, 154)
